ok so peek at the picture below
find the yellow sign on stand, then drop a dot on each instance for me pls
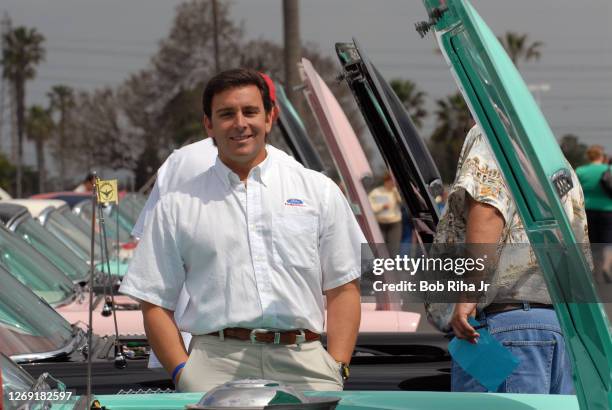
(107, 190)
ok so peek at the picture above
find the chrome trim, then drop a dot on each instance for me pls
(17, 220)
(79, 205)
(44, 214)
(71, 297)
(73, 345)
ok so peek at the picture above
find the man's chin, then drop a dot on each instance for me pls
(241, 156)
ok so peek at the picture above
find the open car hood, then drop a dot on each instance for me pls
(344, 147)
(404, 150)
(538, 176)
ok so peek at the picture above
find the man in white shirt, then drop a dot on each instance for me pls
(257, 242)
(183, 164)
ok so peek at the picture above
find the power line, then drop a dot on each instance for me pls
(99, 51)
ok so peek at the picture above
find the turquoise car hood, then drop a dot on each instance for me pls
(538, 176)
(372, 401)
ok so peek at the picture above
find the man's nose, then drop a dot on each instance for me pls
(240, 120)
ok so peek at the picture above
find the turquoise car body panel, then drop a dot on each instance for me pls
(537, 175)
(365, 400)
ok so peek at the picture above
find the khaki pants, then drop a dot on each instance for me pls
(212, 362)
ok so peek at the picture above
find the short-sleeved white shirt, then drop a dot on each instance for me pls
(254, 256)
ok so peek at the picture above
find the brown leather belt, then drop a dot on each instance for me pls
(285, 337)
(507, 307)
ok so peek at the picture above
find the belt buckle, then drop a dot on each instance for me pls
(300, 338)
(254, 332)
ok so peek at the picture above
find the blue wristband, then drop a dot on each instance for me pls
(176, 370)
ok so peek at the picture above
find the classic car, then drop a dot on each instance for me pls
(34, 334)
(17, 219)
(70, 234)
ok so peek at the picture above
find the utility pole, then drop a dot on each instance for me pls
(5, 28)
(292, 51)
(215, 13)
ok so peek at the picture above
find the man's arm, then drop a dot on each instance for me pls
(484, 226)
(164, 336)
(343, 317)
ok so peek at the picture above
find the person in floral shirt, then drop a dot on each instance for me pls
(517, 310)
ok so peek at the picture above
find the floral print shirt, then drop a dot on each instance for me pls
(518, 276)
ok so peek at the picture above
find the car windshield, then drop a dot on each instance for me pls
(125, 221)
(33, 269)
(112, 224)
(27, 324)
(14, 379)
(295, 134)
(75, 239)
(129, 207)
(49, 245)
(79, 223)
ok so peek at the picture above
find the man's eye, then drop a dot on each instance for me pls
(251, 113)
(226, 115)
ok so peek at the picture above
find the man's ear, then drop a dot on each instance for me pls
(207, 123)
(269, 121)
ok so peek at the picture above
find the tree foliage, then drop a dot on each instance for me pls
(453, 122)
(518, 47)
(39, 129)
(22, 51)
(412, 98)
(108, 139)
(574, 150)
(158, 108)
(61, 103)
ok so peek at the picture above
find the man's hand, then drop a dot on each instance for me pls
(459, 321)
(164, 336)
(343, 317)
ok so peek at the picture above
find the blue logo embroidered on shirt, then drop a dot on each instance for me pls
(294, 202)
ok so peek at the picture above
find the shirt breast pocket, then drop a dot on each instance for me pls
(296, 239)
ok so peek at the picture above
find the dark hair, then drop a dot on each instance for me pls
(237, 77)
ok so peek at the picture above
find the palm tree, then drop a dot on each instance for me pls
(61, 99)
(518, 47)
(412, 98)
(39, 126)
(21, 53)
(454, 121)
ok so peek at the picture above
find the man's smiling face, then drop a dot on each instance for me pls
(239, 125)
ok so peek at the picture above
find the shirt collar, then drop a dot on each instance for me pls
(229, 178)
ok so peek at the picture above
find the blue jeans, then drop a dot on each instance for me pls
(534, 336)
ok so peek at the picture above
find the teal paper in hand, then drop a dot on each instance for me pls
(488, 361)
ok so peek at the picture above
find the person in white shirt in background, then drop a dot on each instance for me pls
(255, 262)
(386, 202)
